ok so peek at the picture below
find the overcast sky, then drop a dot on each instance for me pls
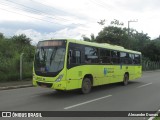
(46, 19)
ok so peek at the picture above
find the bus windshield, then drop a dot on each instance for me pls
(49, 58)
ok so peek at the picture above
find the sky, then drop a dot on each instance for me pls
(51, 19)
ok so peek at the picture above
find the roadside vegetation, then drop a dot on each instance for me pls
(156, 118)
(10, 50)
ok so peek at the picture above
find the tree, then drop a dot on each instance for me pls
(116, 22)
(10, 50)
(157, 39)
(152, 51)
(112, 35)
(20, 42)
(1, 36)
(92, 39)
(21, 39)
(101, 22)
(138, 40)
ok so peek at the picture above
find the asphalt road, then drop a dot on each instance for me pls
(140, 95)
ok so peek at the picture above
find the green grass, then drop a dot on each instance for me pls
(156, 118)
(10, 71)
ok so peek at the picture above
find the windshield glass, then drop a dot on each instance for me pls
(49, 58)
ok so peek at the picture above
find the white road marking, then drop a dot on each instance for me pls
(144, 85)
(87, 102)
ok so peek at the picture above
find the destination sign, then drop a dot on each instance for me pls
(50, 43)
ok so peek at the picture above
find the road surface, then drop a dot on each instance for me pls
(140, 95)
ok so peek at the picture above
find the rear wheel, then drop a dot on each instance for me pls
(86, 86)
(125, 79)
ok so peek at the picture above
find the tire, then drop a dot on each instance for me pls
(86, 86)
(125, 79)
(59, 91)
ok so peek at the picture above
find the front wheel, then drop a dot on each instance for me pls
(125, 79)
(86, 86)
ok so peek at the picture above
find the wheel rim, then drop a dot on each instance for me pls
(86, 86)
(126, 80)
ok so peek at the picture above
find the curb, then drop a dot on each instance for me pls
(14, 87)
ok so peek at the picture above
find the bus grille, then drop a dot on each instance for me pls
(49, 85)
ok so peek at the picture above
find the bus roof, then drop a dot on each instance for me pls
(101, 45)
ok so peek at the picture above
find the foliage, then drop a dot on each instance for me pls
(92, 39)
(10, 50)
(116, 22)
(1, 36)
(101, 22)
(112, 35)
(152, 51)
(138, 40)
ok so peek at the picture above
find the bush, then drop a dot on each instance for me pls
(10, 50)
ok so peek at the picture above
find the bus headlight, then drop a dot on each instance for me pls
(59, 78)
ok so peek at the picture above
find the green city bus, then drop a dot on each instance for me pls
(67, 64)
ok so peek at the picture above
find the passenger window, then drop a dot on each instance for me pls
(105, 56)
(137, 59)
(124, 58)
(128, 58)
(91, 55)
(75, 57)
(131, 58)
(115, 57)
(78, 57)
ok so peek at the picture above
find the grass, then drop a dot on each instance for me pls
(156, 118)
(10, 71)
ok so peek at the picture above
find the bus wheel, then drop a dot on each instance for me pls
(125, 79)
(59, 91)
(86, 86)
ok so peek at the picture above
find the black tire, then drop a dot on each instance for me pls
(86, 86)
(59, 91)
(125, 79)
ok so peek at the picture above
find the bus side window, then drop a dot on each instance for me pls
(123, 57)
(115, 57)
(91, 54)
(78, 57)
(87, 60)
(74, 56)
(105, 56)
(137, 59)
(132, 58)
(127, 58)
